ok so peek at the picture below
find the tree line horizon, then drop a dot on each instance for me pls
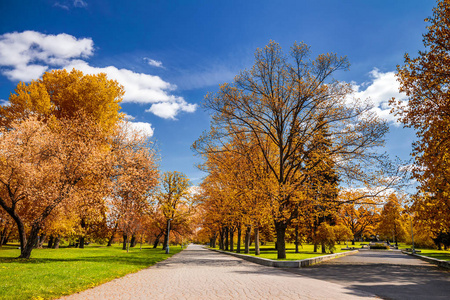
(286, 141)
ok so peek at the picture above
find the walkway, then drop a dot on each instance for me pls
(197, 273)
(388, 274)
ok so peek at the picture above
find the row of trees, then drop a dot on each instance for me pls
(70, 165)
(288, 146)
(285, 136)
(425, 80)
(223, 221)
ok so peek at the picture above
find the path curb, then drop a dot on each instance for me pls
(287, 263)
(439, 262)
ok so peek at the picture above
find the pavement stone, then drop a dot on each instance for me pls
(196, 273)
(388, 274)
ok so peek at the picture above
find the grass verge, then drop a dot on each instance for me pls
(434, 253)
(305, 251)
(51, 273)
(438, 254)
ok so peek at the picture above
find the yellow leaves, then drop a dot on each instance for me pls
(66, 95)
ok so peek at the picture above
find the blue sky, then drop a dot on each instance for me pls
(169, 54)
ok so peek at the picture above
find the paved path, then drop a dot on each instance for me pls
(197, 273)
(388, 274)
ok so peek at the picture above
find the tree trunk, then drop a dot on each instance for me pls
(323, 248)
(221, 239)
(156, 242)
(166, 241)
(231, 239)
(133, 241)
(6, 233)
(353, 241)
(239, 235)
(212, 241)
(41, 240)
(296, 238)
(56, 242)
(81, 239)
(247, 239)
(50, 242)
(37, 242)
(226, 238)
(111, 238)
(25, 251)
(280, 228)
(124, 244)
(257, 252)
(3, 235)
(8, 236)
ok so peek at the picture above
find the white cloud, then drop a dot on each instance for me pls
(30, 46)
(139, 87)
(66, 5)
(168, 110)
(382, 88)
(154, 63)
(79, 3)
(63, 6)
(129, 117)
(194, 190)
(25, 72)
(26, 56)
(143, 128)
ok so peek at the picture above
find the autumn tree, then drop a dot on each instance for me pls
(282, 102)
(173, 200)
(62, 222)
(391, 222)
(322, 184)
(135, 177)
(43, 168)
(326, 237)
(64, 95)
(360, 218)
(6, 227)
(54, 143)
(425, 80)
(342, 233)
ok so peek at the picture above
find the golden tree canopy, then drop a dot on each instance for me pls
(64, 95)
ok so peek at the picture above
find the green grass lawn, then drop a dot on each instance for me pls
(51, 273)
(305, 251)
(434, 253)
(438, 254)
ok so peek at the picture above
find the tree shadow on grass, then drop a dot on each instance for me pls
(106, 259)
(437, 255)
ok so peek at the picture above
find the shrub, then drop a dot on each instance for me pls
(325, 236)
(379, 246)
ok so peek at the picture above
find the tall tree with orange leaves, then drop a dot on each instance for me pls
(282, 102)
(54, 145)
(41, 169)
(135, 177)
(174, 200)
(426, 82)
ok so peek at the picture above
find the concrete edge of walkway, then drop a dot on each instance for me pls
(439, 262)
(287, 263)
